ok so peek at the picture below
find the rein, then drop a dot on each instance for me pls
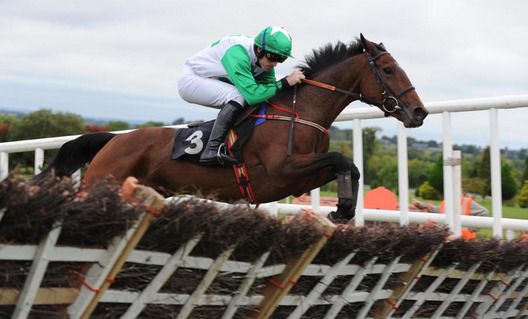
(389, 103)
(335, 89)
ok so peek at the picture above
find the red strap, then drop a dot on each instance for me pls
(88, 286)
(276, 283)
(282, 109)
(392, 303)
(241, 174)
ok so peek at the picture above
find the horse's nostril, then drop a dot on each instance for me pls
(420, 113)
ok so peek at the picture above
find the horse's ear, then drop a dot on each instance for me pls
(367, 45)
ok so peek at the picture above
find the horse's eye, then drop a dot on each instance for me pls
(388, 71)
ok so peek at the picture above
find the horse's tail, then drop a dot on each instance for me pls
(76, 153)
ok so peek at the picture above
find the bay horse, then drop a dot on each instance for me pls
(340, 74)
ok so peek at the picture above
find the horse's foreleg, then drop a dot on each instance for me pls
(326, 167)
(347, 192)
(308, 164)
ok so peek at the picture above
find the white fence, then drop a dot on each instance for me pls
(452, 182)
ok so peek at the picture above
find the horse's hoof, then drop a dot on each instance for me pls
(346, 208)
(337, 218)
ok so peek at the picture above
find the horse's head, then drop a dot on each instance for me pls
(386, 85)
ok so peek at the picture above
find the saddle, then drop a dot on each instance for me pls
(190, 142)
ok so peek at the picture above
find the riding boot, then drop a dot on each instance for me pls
(215, 152)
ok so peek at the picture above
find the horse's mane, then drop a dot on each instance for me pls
(329, 55)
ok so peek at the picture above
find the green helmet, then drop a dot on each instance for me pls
(276, 40)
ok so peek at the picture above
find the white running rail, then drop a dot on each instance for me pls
(357, 115)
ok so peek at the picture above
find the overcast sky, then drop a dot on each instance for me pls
(121, 59)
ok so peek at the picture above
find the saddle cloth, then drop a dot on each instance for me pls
(189, 143)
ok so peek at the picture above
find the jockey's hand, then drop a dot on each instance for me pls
(295, 77)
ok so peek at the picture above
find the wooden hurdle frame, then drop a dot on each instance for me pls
(506, 294)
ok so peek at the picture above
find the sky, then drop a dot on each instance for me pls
(117, 59)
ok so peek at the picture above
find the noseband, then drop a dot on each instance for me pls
(390, 101)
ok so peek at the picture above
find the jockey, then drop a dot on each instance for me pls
(232, 72)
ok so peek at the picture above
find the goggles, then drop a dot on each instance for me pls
(273, 57)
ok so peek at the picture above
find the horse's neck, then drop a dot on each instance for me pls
(323, 106)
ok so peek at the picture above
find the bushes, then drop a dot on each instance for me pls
(508, 185)
(427, 191)
(523, 195)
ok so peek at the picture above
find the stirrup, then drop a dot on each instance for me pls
(221, 153)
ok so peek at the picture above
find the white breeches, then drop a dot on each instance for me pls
(206, 91)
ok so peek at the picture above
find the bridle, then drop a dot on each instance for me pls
(390, 101)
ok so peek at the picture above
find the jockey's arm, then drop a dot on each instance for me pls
(237, 65)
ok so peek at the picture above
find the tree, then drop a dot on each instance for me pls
(6, 125)
(523, 196)
(118, 125)
(524, 176)
(426, 191)
(370, 142)
(152, 124)
(484, 167)
(370, 145)
(436, 175)
(509, 186)
(343, 147)
(384, 172)
(470, 165)
(388, 175)
(178, 121)
(41, 124)
(521, 154)
(340, 134)
(475, 185)
(418, 172)
(45, 123)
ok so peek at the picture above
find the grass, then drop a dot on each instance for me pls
(507, 211)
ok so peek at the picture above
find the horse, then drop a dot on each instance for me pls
(277, 162)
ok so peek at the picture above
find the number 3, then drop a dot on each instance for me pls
(196, 143)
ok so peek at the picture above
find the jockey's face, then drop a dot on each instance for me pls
(266, 64)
